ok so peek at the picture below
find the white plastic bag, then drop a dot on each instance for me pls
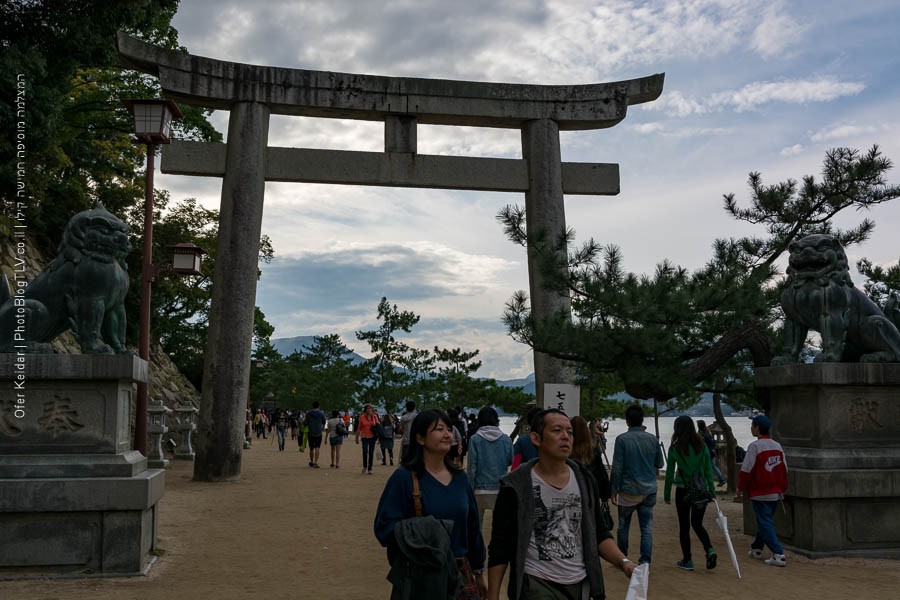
(640, 579)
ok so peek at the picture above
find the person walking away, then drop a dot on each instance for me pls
(404, 426)
(281, 424)
(523, 449)
(444, 493)
(585, 453)
(302, 431)
(690, 456)
(334, 435)
(545, 524)
(365, 430)
(294, 423)
(387, 438)
(490, 456)
(636, 457)
(764, 478)
(315, 422)
(711, 446)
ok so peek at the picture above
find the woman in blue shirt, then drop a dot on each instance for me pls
(445, 493)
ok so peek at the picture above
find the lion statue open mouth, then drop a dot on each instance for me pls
(83, 288)
(819, 295)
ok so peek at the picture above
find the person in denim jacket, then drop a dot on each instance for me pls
(490, 455)
(636, 457)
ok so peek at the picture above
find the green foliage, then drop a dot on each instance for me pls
(883, 282)
(675, 334)
(78, 132)
(388, 383)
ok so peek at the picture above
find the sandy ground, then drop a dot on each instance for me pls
(288, 531)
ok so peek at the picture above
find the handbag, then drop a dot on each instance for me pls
(468, 586)
(606, 519)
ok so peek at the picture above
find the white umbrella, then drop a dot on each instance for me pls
(722, 521)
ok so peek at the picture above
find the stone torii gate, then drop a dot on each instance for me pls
(252, 93)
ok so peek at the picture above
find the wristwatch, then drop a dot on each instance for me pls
(623, 561)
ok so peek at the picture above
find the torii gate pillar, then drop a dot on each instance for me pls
(230, 334)
(545, 214)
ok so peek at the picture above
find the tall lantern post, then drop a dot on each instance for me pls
(152, 126)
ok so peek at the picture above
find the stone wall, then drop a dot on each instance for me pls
(165, 378)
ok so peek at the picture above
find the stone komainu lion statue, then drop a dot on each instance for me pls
(819, 295)
(83, 288)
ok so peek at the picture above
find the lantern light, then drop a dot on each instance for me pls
(153, 119)
(186, 259)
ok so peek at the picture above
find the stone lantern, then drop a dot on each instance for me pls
(187, 424)
(158, 414)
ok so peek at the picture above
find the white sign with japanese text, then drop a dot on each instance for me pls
(563, 396)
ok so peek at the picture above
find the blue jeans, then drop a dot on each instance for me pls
(645, 520)
(280, 432)
(718, 472)
(765, 526)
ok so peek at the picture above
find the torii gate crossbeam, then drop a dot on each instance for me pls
(252, 93)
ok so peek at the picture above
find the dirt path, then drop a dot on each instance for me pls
(286, 531)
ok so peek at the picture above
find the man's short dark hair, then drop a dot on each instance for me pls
(316, 404)
(634, 415)
(537, 423)
(410, 406)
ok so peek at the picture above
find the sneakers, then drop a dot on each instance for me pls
(756, 553)
(711, 559)
(777, 560)
(686, 565)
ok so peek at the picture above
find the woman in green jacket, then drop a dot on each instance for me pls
(689, 454)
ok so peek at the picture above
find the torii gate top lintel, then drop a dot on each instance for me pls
(218, 84)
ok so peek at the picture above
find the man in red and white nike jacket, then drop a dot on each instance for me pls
(763, 478)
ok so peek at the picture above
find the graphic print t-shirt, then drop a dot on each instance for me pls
(554, 551)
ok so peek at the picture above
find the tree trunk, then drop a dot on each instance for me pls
(730, 443)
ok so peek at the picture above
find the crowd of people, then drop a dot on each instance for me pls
(551, 494)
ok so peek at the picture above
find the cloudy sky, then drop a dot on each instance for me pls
(751, 85)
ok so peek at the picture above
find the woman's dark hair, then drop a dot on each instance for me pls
(335, 414)
(424, 422)
(685, 436)
(386, 419)
(487, 416)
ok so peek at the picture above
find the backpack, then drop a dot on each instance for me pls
(697, 494)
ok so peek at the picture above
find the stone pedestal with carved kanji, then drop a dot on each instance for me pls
(74, 496)
(839, 424)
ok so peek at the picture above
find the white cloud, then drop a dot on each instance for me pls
(792, 150)
(753, 95)
(648, 128)
(839, 132)
(776, 32)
